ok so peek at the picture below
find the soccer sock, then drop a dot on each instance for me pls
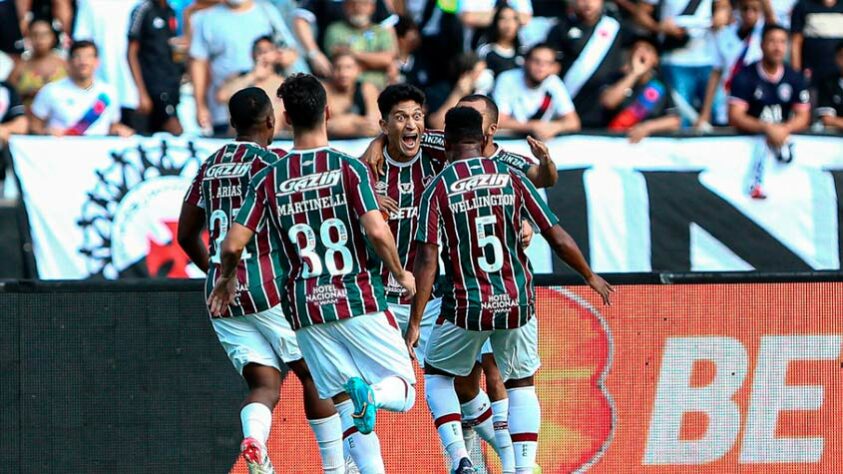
(524, 422)
(328, 432)
(445, 408)
(394, 394)
(256, 419)
(364, 449)
(477, 414)
(500, 413)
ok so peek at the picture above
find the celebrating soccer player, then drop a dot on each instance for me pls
(476, 207)
(318, 199)
(252, 329)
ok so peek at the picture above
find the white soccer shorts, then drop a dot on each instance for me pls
(431, 313)
(368, 346)
(455, 350)
(264, 338)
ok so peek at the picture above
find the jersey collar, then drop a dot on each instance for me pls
(399, 164)
(774, 78)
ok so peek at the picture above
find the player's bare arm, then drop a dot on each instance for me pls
(565, 247)
(526, 233)
(226, 287)
(373, 156)
(191, 223)
(425, 273)
(543, 175)
(379, 235)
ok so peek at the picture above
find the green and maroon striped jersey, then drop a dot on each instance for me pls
(405, 183)
(475, 207)
(433, 142)
(314, 199)
(220, 187)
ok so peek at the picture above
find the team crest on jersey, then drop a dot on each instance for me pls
(311, 182)
(785, 92)
(405, 188)
(427, 180)
(129, 221)
(482, 181)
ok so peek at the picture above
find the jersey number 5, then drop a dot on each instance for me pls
(313, 265)
(483, 240)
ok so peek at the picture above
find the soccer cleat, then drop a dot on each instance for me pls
(465, 467)
(254, 453)
(755, 192)
(364, 404)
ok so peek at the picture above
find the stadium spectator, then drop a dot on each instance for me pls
(157, 76)
(12, 115)
(311, 22)
(502, 49)
(371, 44)
(686, 28)
(817, 28)
(778, 11)
(640, 102)
(410, 66)
(591, 43)
(44, 65)
(262, 75)
(221, 45)
(353, 102)
(11, 38)
(735, 46)
(830, 100)
(533, 99)
(770, 98)
(78, 104)
(477, 15)
(470, 76)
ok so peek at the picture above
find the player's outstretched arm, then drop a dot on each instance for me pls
(379, 235)
(566, 248)
(373, 156)
(191, 223)
(543, 175)
(226, 286)
(425, 273)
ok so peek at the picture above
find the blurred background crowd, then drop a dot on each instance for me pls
(99, 67)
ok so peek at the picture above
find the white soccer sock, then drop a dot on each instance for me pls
(256, 419)
(328, 432)
(477, 414)
(445, 408)
(500, 413)
(394, 394)
(524, 423)
(364, 449)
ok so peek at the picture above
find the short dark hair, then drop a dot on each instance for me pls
(771, 27)
(82, 44)
(260, 40)
(493, 34)
(539, 46)
(304, 100)
(463, 124)
(397, 93)
(404, 25)
(491, 106)
(248, 107)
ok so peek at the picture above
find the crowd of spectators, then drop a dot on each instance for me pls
(97, 67)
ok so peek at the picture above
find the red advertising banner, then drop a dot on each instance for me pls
(675, 378)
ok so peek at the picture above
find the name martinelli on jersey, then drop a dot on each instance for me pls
(483, 201)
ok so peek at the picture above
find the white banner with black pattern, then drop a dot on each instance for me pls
(109, 207)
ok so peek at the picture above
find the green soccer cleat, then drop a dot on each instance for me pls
(364, 404)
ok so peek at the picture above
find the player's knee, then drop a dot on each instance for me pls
(518, 383)
(410, 399)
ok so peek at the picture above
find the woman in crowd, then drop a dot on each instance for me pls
(41, 66)
(501, 50)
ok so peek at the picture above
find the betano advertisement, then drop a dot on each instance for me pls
(676, 378)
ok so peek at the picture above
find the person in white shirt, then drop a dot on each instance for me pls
(735, 46)
(78, 104)
(533, 99)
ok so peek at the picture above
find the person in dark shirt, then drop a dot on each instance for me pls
(770, 98)
(11, 38)
(585, 75)
(12, 114)
(411, 67)
(501, 51)
(830, 99)
(817, 27)
(157, 76)
(640, 102)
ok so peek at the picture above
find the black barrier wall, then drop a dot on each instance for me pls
(107, 378)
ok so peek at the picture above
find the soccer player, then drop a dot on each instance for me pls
(318, 200)
(252, 329)
(476, 206)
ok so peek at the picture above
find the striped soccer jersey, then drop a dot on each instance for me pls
(476, 207)
(314, 199)
(220, 187)
(405, 183)
(433, 142)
